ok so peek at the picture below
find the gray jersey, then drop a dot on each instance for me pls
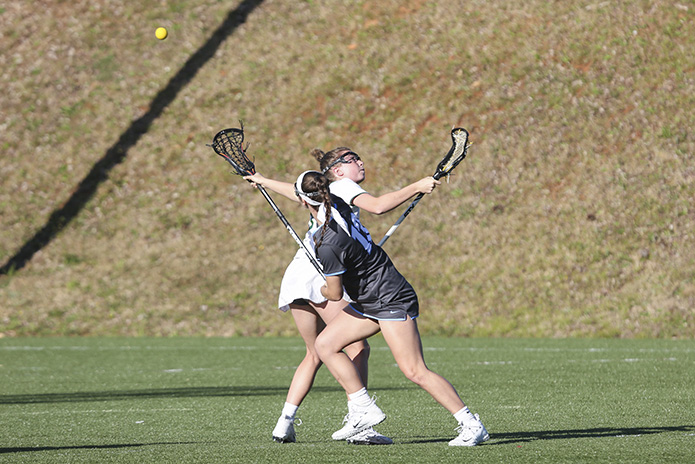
(370, 279)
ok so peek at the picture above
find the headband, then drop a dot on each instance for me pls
(308, 197)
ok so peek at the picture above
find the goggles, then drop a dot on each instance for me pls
(343, 159)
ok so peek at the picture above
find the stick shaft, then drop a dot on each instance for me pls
(437, 175)
(291, 230)
(400, 219)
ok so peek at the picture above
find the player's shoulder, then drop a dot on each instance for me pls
(347, 189)
(342, 183)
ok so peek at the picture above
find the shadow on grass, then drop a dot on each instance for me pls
(115, 155)
(187, 392)
(601, 432)
(87, 447)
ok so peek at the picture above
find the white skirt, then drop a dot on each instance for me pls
(302, 281)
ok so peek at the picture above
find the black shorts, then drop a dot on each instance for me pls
(393, 311)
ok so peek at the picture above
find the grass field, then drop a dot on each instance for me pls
(217, 400)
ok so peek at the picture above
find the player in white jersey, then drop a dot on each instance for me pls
(300, 288)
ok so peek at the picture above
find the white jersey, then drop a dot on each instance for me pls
(301, 280)
(347, 190)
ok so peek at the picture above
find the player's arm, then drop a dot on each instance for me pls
(283, 188)
(388, 201)
(333, 288)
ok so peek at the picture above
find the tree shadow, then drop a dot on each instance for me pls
(507, 438)
(154, 393)
(115, 155)
(599, 432)
(116, 395)
(87, 447)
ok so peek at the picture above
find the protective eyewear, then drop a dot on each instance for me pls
(346, 158)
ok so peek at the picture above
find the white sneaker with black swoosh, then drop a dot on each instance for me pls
(360, 419)
(470, 434)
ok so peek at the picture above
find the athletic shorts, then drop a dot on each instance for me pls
(393, 311)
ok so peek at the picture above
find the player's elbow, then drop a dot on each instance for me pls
(334, 295)
(379, 210)
(332, 290)
(371, 204)
(376, 208)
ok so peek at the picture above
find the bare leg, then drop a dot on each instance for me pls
(359, 351)
(309, 324)
(403, 339)
(310, 321)
(344, 329)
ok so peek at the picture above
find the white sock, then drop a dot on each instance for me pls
(289, 410)
(464, 416)
(360, 398)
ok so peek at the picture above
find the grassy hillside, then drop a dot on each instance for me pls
(572, 215)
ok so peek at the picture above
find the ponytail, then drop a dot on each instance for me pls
(317, 154)
(316, 184)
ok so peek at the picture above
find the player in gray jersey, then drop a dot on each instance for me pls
(383, 301)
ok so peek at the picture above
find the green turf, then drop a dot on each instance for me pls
(216, 400)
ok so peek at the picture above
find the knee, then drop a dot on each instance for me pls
(416, 374)
(312, 357)
(323, 347)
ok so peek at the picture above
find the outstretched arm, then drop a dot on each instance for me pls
(283, 188)
(391, 200)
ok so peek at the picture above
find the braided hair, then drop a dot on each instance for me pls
(316, 182)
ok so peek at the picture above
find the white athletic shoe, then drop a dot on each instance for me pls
(360, 419)
(370, 437)
(284, 430)
(470, 434)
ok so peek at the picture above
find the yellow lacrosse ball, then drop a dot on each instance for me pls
(161, 33)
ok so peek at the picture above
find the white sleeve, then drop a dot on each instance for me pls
(346, 189)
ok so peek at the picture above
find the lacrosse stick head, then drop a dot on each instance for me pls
(457, 152)
(229, 144)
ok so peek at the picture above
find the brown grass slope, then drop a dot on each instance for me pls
(572, 215)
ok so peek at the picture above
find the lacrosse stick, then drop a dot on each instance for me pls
(228, 143)
(459, 147)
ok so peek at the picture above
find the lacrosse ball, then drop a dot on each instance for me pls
(161, 33)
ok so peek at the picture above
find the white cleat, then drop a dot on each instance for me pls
(470, 434)
(370, 437)
(284, 430)
(359, 420)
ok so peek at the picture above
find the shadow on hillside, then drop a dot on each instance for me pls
(84, 191)
(86, 447)
(601, 432)
(188, 392)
